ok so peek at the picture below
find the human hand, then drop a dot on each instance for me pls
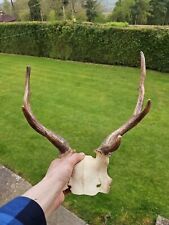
(48, 193)
(60, 170)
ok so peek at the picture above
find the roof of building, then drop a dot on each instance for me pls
(6, 18)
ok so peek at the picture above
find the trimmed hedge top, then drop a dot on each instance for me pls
(97, 43)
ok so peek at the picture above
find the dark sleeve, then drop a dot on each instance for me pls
(22, 211)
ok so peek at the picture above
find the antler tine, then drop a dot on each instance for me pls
(56, 140)
(140, 100)
(112, 142)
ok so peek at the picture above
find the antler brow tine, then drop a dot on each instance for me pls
(55, 139)
(112, 142)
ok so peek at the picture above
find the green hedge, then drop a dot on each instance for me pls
(88, 42)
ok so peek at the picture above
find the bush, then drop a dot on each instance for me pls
(117, 24)
(88, 42)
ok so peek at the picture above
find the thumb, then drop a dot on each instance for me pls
(77, 157)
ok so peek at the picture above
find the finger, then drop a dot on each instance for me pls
(76, 157)
(66, 154)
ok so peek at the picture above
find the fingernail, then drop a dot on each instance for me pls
(82, 154)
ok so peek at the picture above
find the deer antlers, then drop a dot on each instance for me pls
(112, 142)
(55, 139)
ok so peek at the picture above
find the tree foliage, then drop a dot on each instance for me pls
(6, 6)
(130, 11)
(22, 11)
(64, 10)
(122, 11)
(35, 11)
(51, 10)
(91, 9)
(142, 11)
(159, 12)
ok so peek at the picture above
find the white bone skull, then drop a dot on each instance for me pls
(90, 176)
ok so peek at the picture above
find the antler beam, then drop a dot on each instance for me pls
(55, 139)
(112, 142)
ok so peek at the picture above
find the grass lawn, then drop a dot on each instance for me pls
(84, 103)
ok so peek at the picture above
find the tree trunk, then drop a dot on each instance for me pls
(13, 7)
(64, 13)
(73, 10)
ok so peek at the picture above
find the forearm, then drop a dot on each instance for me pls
(48, 193)
(45, 193)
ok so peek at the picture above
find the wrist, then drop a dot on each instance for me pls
(45, 194)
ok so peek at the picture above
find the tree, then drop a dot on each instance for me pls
(91, 9)
(22, 12)
(131, 11)
(12, 4)
(6, 6)
(57, 7)
(13, 7)
(79, 11)
(122, 11)
(72, 3)
(140, 11)
(64, 4)
(159, 10)
(46, 7)
(57, 10)
(167, 14)
(35, 10)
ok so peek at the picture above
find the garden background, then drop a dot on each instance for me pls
(84, 84)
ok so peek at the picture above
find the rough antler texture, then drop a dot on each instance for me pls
(112, 142)
(55, 139)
